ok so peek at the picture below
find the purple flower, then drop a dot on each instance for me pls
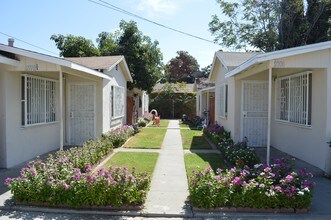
(48, 183)
(8, 181)
(218, 177)
(88, 167)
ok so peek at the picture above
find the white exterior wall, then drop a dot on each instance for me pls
(24, 143)
(305, 143)
(227, 122)
(118, 79)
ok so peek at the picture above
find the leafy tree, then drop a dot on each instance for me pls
(180, 68)
(251, 23)
(292, 24)
(143, 56)
(206, 71)
(267, 25)
(107, 43)
(318, 18)
(74, 46)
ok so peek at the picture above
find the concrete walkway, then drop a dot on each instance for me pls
(169, 188)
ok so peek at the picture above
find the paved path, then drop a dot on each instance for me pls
(169, 188)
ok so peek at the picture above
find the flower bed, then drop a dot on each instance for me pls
(119, 135)
(66, 178)
(57, 183)
(263, 186)
(237, 154)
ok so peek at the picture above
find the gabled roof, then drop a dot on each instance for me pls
(179, 87)
(102, 62)
(51, 59)
(234, 59)
(260, 58)
(230, 59)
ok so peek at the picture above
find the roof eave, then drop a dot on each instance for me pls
(9, 61)
(260, 58)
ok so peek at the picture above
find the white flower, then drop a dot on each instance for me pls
(300, 193)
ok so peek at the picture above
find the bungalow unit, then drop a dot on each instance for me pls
(48, 102)
(280, 99)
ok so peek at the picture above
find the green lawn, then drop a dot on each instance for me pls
(203, 160)
(181, 125)
(193, 139)
(143, 161)
(147, 138)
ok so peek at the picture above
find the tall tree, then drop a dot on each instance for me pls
(249, 23)
(292, 24)
(74, 46)
(267, 25)
(143, 56)
(180, 68)
(107, 43)
(319, 23)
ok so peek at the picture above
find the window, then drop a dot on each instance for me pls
(224, 100)
(294, 98)
(117, 97)
(38, 100)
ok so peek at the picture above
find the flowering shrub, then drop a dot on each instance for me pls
(90, 153)
(66, 178)
(58, 183)
(119, 135)
(194, 121)
(262, 186)
(141, 122)
(237, 154)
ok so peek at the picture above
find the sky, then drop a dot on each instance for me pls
(34, 21)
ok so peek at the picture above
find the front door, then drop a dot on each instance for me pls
(81, 113)
(255, 113)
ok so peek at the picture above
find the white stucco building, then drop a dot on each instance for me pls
(280, 99)
(48, 102)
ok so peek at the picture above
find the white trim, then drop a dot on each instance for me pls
(269, 113)
(260, 58)
(207, 89)
(61, 108)
(307, 73)
(51, 59)
(113, 103)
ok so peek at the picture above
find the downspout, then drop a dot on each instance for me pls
(61, 108)
(269, 113)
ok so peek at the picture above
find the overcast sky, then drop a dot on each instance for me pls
(34, 21)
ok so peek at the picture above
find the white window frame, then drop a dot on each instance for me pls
(223, 88)
(292, 112)
(43, 109)
(117, 100)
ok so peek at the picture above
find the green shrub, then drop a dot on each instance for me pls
(263, 186)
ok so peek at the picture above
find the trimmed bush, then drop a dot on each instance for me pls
(262, 186)
(67, 179)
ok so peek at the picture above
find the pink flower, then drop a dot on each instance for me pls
(289, 178)
(88, 167)
(8, 181)
(208, 169)
(237, 181)
(218, 177)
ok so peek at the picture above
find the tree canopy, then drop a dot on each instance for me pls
(74, 46)
(180, 68)
(268, 25)
(143, 55)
